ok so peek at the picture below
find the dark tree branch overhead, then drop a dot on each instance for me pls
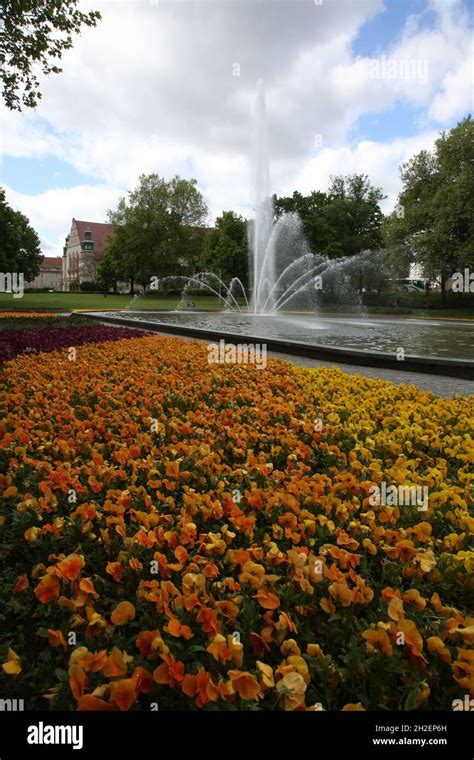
(32, 34)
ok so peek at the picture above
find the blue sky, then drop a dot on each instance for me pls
(34, 175)
(380, 31)
(378, 34)
(167, 101)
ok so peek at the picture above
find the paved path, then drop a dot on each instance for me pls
(438, 384)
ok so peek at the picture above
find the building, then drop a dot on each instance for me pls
(82, 252)
(50, 276)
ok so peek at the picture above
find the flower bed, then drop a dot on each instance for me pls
(198, 536)
(51, 337)
(28, 314)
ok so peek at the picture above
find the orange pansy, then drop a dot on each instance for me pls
(378, 639)
(122, 613)
(90, 703)
(292, 689)
(21, 583)
(70, 567)
(56, 639)
(267, 600)
(13, 664)
(47, 589)
(176, 629)
(77, 680)
(245, 684)
(170, 672)
(123, 693)
(413, 638)
(395, 609)
(116, 664)
(436, 645)
(114, 569)
(87, 587)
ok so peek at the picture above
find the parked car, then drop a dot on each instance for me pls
(413, 284)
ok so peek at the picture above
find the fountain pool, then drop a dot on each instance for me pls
(428, 338)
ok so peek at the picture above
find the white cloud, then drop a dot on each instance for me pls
(455, 98)
(380, 161)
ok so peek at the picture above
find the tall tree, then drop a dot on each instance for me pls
(157, 230)
(311, 209)
(20, 249)
(225, 249)
(110, 269)
(342, 222)
(35, 33)
(354, 213)
(434, 220)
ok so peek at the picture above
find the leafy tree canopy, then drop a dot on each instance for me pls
(225, 249)
(33, 36)
(434, 220)
(342, 222)
(158, 231)
(20, 248)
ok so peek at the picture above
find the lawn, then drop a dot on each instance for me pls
(99, 302)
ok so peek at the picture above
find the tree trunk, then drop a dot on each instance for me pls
(131, 286)
(443, 290)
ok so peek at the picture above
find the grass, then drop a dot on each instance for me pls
(451, 313)
(71, 301)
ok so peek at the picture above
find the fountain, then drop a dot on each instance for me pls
(290, 285)
(281, 264)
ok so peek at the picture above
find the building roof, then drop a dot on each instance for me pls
(100, 234)
(50, 262)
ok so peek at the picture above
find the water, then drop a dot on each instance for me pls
(428, 338)
(262, 239)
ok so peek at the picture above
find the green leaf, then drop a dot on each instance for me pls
(410, 701)
(61, 675)
(195, 648)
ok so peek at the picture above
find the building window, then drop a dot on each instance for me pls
(87, 235)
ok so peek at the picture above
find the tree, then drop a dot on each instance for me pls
(34, 33)
(225, 249)
(20, 249)
(342, 222)
(109, 268)
(354, 213)
(157, 231)
(312, 212)
(434, 219)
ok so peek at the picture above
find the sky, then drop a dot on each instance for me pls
(168, 86)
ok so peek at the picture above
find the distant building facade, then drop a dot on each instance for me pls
(50, 275)
(83, 249)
